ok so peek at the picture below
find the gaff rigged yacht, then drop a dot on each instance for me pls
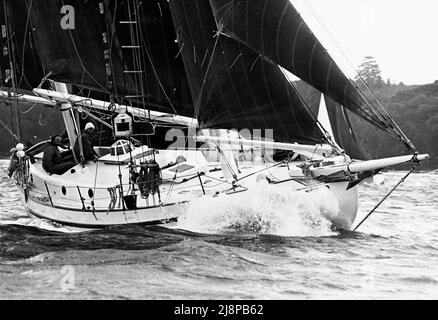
(229, 57)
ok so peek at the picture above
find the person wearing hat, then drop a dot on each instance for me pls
(87, 144)
(13, 163)
(53, 161)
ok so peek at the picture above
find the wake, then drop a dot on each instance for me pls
(264, 210)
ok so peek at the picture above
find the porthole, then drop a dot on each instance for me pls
(90, 193)
(64, 190)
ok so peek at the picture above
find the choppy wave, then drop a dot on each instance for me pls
(263, 245)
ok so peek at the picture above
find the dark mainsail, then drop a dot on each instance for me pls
(124, 49)
(232, 86)
(275, 29)
(19, 57)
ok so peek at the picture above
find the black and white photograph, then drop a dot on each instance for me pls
(232, 152)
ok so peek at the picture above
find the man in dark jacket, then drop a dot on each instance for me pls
(52, 159)
(87, 144)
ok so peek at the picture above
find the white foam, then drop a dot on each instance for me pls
(268, 209)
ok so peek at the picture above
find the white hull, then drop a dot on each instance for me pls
(162, 214)
(99, 219)
(58, 198)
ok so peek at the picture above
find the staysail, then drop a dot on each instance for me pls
(275, 29)
(232, 85)
(124, 49)
(344, 131)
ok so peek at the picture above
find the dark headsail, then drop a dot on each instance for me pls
(275, 29)
(124, 49)
(232, 85)
(344, 132)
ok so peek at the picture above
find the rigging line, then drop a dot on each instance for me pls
(233, 36)
(206, 43)
(138, 56)
(387, 195)
(227, 163)
(165, 47)
(134, 30)
(159, 82)
(28, 110)
(254, 100)
(110, 26)
(371, 108)
(121, 184)
(80, 60)
(197, 106)
(346, 118)
(13, 63)
(398, 130)
(172, 184)
(329, 34)
(366, 100)
(40, 119)
(13, 135)
(269, 94)
(95, 173)
(133, 36)
(326, 135)
(89, 114)
(24, 43)
(142, 59)
(12, 129)
(264, 169)
(8, 37)
(291, 97)
(401, 135)
(217, 179)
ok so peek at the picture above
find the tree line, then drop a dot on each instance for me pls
(414, 108)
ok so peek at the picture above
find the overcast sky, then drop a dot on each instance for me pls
(401, 34)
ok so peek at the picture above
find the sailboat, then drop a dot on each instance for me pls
(211, 71)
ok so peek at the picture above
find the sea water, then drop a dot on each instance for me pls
(264, 245)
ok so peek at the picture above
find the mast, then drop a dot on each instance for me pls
(67, 112)
(9, 51)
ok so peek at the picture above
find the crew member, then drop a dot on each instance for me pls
(87, 144)
(53, 161)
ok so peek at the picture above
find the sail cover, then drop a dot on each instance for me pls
(275, 29)
(125, 49)
(232, 85)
